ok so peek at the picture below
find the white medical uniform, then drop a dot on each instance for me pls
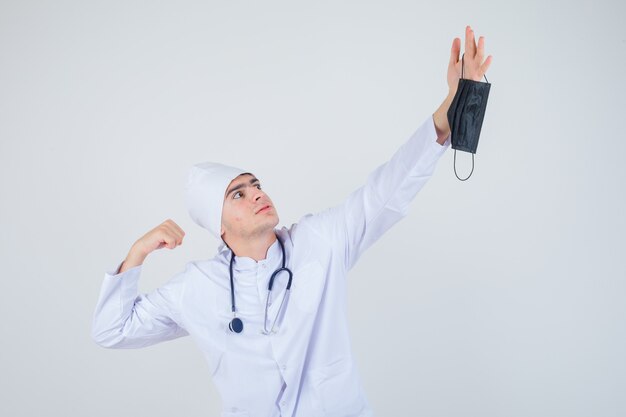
(306, 368)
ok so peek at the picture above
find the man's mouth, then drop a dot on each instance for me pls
(263, 209)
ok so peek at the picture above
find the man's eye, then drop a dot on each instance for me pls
(258, 186)
(237, 193)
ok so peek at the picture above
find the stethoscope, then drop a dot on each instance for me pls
(236, 325)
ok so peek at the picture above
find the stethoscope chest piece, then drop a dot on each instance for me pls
(236, 325)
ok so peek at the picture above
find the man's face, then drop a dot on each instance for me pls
(247, 210)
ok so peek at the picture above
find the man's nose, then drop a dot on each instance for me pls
(256, 194)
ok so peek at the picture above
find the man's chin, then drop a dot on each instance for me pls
(271, 223)
(268, 222)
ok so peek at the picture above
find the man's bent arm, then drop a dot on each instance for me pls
(123, 318)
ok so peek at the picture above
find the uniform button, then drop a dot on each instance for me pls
(283, 367)
(283, 403)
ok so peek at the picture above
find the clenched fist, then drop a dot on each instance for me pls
(167, 234)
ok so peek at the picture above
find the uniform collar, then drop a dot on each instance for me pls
(244, 263)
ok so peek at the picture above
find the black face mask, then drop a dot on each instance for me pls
(466, 114)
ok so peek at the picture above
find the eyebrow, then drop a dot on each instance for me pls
(241, 185)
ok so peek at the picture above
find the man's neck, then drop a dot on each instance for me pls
(253, 247)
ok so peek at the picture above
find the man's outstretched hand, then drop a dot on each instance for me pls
(474, 68)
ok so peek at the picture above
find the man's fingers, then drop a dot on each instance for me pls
(480, 52)
(469, 42)
(171, 242)
(455, 51)
(180, 231)
(171, 239)
(485, 65)
(175, 230)
(475, 53)
(174, 225)
(168, 230)
(166, 241)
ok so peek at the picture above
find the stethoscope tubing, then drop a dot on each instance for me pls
(236, 325)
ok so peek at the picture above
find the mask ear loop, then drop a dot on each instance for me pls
(457, 175)
(470, 174)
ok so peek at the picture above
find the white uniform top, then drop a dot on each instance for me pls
(306, 368)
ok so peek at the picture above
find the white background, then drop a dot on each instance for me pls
(500, 296)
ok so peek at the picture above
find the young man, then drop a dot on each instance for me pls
(284, 352)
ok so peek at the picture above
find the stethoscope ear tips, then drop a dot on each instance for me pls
(236, 325)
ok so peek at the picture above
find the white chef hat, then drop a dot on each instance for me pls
(204, 193)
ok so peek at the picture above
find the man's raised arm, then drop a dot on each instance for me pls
(351, 227)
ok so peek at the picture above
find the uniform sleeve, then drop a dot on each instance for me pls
(368, 212)
(125, 319)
